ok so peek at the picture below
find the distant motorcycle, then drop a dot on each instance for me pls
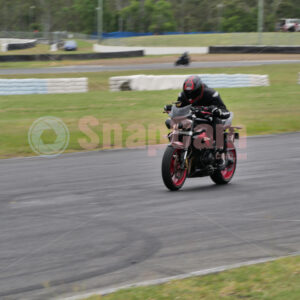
(184, 59)
(199, 146)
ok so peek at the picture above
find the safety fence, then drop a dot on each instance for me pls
(43, 86)
(43, 35)
(163, 82)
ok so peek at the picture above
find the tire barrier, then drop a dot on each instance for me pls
(254, 49)
(16, 44)
(202, 50)
(84, 56)
(153, 50)
(170, 82)
(43, 86)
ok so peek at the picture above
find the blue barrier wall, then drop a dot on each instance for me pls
(118, 34)
(23, 86)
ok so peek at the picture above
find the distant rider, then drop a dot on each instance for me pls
(184, 59)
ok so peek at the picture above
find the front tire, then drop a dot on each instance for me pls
(172, 175)
(225, 176)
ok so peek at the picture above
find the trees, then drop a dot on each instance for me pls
(130, 15)
(239, 17)
(142, 15)
(16, 14)
(162, 19)
(86, 14)
(149, 15)
(288, 9)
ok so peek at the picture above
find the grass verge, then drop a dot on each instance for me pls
(138, 117)
(277, 280)
(220, 39)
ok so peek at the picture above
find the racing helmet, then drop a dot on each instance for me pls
(193, 88)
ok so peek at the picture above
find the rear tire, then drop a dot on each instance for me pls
(225, 176)
(173, 177)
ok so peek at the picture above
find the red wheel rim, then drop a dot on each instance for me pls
(178, 175)
(228, 172)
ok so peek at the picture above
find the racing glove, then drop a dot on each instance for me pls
(219, 113)
(168, 107)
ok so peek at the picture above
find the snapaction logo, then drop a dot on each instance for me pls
(48, 136)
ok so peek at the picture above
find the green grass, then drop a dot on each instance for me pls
(83, 47)
(261, 110)
(43, 64)
(198, 40)
(278, 280)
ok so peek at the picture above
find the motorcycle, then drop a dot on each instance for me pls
(184, 59)
(200, 145)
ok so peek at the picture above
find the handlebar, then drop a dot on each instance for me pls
(204, 110)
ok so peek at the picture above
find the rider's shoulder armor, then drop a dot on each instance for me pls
(210, 93)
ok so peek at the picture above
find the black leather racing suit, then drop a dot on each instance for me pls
(209, 98)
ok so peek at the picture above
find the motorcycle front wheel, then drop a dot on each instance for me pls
(172, 174)
(224, 176)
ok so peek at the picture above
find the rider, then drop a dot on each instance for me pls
(196, 93)
(185, 57)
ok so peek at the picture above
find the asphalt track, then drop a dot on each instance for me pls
(102, 219)
(137, 67)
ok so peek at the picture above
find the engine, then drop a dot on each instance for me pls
(205, 158)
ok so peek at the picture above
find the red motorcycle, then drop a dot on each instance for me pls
(200, 145)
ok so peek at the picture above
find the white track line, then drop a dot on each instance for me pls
(178, 277)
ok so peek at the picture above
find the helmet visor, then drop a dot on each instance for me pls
(191, 94)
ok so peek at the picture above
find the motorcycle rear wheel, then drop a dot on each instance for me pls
(173, 176)
(225, 176)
